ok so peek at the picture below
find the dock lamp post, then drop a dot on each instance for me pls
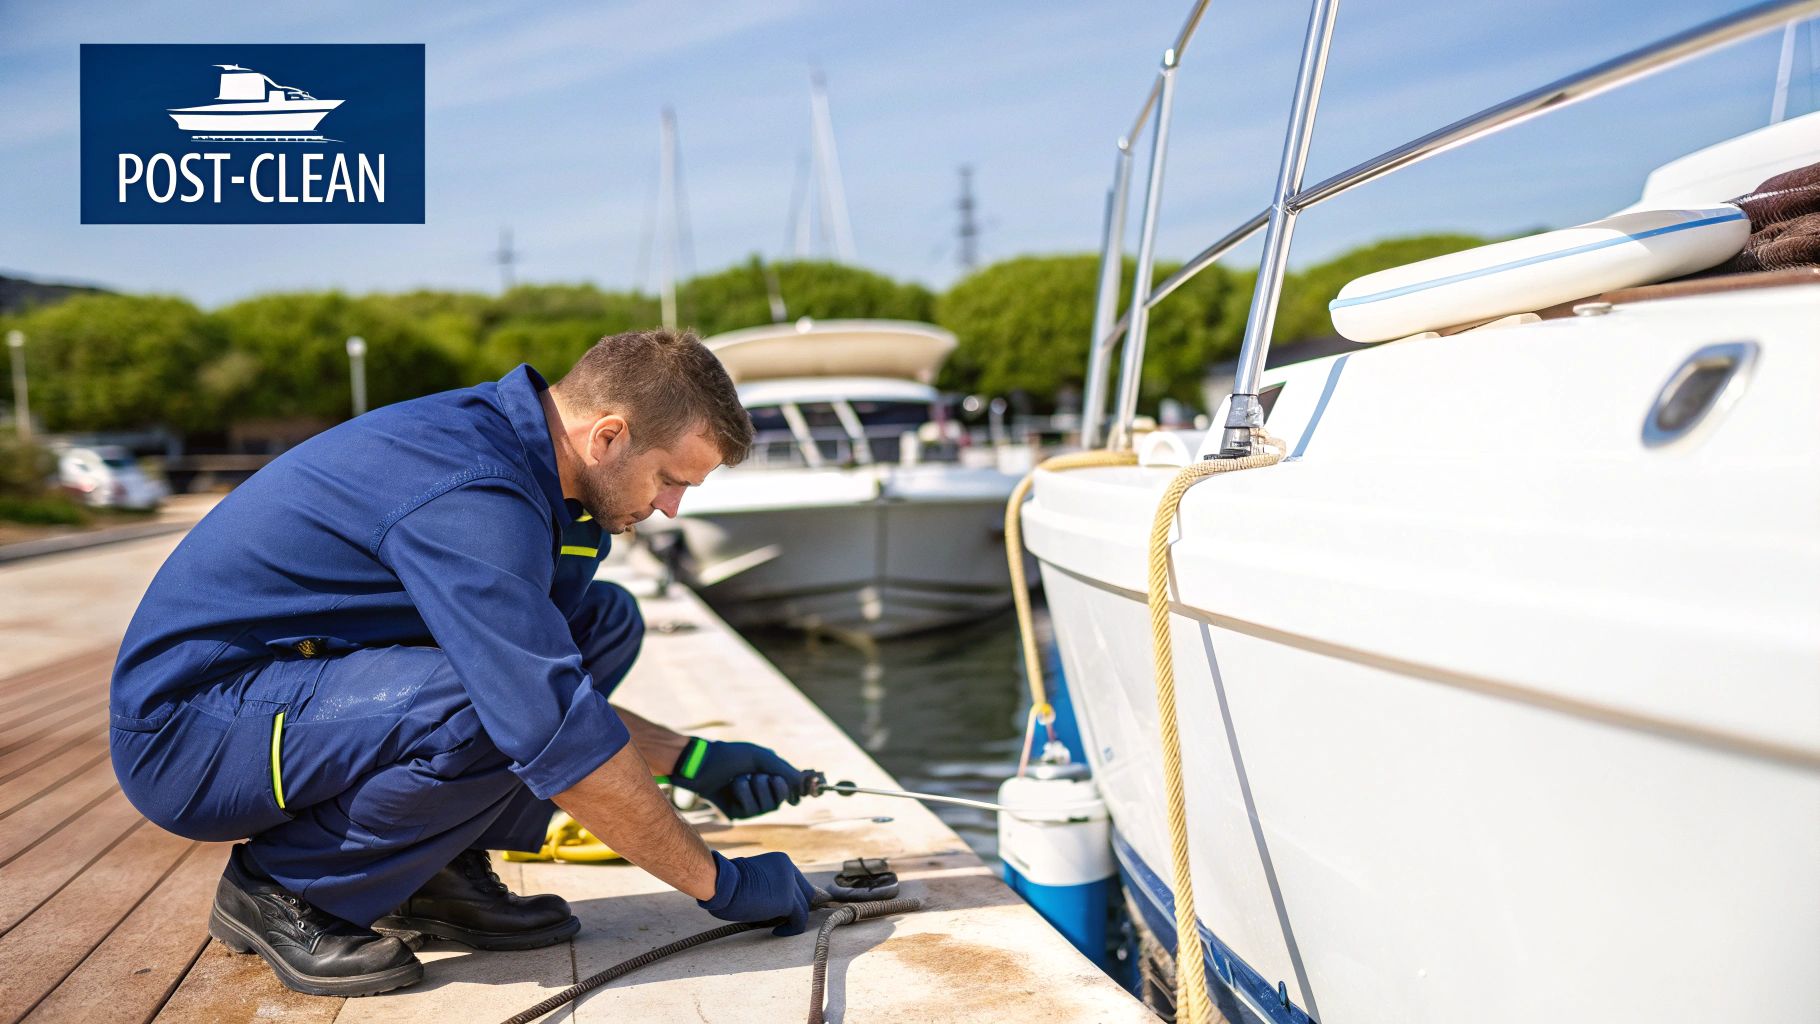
(357, 370)
(22, 410)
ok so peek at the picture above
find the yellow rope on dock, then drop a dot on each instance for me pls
(1193, 1004)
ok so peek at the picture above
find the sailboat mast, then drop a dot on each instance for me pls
(666, 201)
(833, 195)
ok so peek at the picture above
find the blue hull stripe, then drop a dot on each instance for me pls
(1531, 261)
(1156, 902)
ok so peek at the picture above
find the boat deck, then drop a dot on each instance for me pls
(103, 916)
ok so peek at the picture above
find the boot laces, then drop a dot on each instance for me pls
(477, 865)
(307, 915)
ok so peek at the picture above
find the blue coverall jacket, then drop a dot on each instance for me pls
(384, 648)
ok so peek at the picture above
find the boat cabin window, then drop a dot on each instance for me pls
(830, 435)
(885, 424)
(839, 432)
(772, 442)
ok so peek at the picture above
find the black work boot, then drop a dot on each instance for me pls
(466, 902)
(311, 950)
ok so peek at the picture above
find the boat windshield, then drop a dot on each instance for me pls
(886, 423)
(839, 432)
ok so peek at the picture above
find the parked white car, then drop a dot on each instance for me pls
(107, 477)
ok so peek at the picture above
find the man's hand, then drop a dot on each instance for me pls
(742, 779)
(759, 889)
(619, 803)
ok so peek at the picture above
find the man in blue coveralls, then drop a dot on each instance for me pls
(386, 654)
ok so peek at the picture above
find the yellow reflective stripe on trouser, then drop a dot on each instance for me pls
(277, 774)
(577, 549)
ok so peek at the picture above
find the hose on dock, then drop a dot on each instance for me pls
(845, 913)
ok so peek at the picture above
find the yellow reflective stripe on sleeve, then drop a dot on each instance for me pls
(277, 773)
(584, 517)
(577, 549)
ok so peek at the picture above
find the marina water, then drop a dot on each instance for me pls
(942, 711)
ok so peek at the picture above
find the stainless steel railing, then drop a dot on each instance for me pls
(1278, 220)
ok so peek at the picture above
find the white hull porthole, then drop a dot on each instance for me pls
(1710, 379)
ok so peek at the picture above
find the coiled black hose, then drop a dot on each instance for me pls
(844, 914)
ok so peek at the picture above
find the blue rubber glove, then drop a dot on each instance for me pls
(742, 779)
(759, 889)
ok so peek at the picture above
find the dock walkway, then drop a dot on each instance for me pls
(103, 916)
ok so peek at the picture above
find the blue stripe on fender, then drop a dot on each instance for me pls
(1156, 902)
(1531, 261)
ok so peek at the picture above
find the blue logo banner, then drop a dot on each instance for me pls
(252, 134)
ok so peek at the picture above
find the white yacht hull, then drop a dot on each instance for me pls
(1489, 712)
(872, 551)
(287, 116)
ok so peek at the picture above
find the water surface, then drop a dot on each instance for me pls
(943, 711)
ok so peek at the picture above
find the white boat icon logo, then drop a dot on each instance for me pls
(250, 107)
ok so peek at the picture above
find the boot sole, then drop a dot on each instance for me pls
(240, 939)
(393, 924)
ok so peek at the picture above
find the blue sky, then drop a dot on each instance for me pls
(544, 117)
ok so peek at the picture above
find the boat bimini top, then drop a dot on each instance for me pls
(899, 349)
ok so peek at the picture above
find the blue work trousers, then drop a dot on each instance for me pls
(381, 764)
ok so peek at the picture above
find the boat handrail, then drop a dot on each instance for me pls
(1278, 219)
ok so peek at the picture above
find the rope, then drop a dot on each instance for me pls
(1191, 997)
(845, 914)
(1192, 1000)
(1040, 708)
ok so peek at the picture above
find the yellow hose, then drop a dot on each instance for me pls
(1193, 1004)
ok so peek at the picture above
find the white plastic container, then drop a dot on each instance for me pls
(1057, 851)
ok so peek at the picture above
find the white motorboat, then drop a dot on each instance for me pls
(250, 104)
(1500, 693)
(856, 512)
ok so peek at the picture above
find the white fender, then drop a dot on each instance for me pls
(1532, 273)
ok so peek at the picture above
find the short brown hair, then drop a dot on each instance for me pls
(663, 382)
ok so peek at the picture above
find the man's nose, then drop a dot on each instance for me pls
(668, 501)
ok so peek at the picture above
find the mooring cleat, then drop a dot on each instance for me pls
(864, 880)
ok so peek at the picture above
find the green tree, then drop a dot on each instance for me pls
(552, 347)
(1024, 325)
(543, 303)
(737, 297)
(551, 325)
(453, 321)
(113, 362)
(295, 356)
(1303, 311)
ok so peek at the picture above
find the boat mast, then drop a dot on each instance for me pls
(827, 168)
(668, 229)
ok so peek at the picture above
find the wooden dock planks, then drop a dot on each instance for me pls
(131, 974)
(38, 874)
(45, 948)
(33, 782)
(101, 914)
(40, 820)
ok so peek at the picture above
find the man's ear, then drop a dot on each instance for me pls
(604, 434)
